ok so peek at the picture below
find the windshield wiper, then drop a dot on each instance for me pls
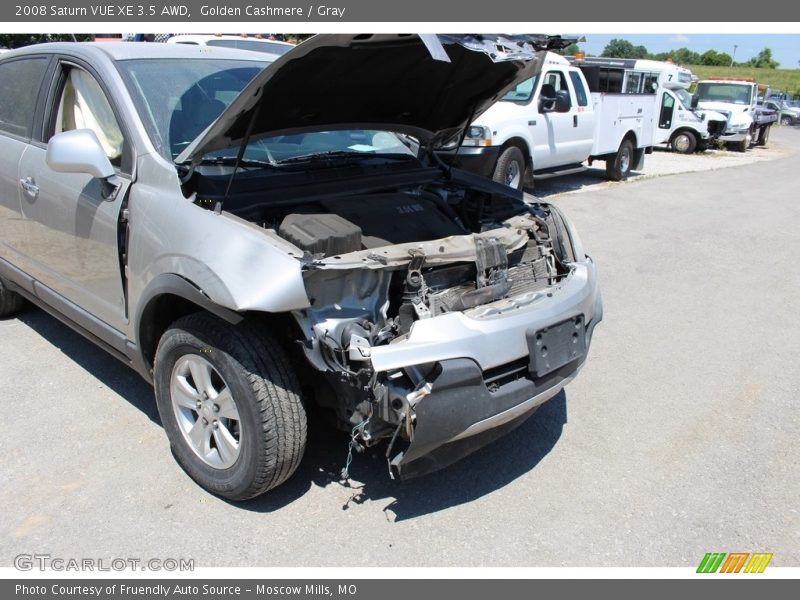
(231, 161)
(336, 155)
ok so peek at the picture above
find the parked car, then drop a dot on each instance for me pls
(787, 114)
(274, 47)
(257, 260)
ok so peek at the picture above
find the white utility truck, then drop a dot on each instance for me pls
(684, 128)
(553, 123)
(747, 123)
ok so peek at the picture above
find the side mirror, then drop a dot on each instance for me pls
(563, 103)
(695, 100)
(546, 104)
(78, 151)
(558, 103)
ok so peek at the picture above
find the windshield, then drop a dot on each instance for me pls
(735, 93)
(347, 143)
(178, 98)
(522, 93)
(684, 96)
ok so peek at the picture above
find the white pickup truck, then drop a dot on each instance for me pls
(552, 123)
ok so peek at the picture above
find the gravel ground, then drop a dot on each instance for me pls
(664, 162)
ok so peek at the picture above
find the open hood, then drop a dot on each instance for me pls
(424, 85)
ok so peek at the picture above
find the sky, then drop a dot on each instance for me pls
(785, 47)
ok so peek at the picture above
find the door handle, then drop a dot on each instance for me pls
(574, 120)
(29, 187)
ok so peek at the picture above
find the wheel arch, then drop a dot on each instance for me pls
(167, 298)
(629, 135)
(686, 129)
(523, 146)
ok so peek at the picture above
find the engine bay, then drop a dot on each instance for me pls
(375, 262)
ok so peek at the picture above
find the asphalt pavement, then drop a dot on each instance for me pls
(681, 435)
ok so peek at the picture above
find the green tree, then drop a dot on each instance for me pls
(763, 60)
(570, 50)
(617, 48)
(715, 59)
(684, 56)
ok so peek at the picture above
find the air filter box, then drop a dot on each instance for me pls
(326, 234)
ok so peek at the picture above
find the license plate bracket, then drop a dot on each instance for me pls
(553, 347)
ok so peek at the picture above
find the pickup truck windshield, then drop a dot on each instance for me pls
(522, 93)
(178, 99)
(735, 93)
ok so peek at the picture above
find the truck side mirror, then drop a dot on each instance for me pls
(695, 100)
(78, 151)
(563, 103)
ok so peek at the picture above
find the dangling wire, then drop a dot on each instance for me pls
(345, 474)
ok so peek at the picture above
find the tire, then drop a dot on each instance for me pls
(683, 142)
(763, 136)
(248, 422)
(10, 302)
(510, 168)
(786, 121)
(619, 166)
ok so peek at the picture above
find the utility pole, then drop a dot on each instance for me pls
(734, 54)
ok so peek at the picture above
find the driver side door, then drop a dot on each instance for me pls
(74, 221)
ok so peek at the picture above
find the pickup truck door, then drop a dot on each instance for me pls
(74, 226)
(561, 138)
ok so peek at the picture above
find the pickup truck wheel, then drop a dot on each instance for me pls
(510, 168)
(10, 302)
(786, 120)
(684, 142)
(229, 402)
(619, 166)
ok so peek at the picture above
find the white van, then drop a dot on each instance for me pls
(677, 124)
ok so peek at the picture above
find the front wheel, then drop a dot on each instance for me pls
(619, 166)
(230, 405)
(786, 120)
(763, 136)
(510, 168)
(684, 142)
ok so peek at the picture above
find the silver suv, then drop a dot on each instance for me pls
(263, 242)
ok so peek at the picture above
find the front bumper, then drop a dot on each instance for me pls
(735, 135)
(475, 159)
(483, 377)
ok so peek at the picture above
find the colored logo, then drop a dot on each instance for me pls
(734, 562)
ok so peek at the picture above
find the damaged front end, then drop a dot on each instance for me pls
(442, 308)
(442, 345)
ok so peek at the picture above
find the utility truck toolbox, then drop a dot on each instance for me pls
(259, 250)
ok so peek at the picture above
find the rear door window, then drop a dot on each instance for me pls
(580, 89)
